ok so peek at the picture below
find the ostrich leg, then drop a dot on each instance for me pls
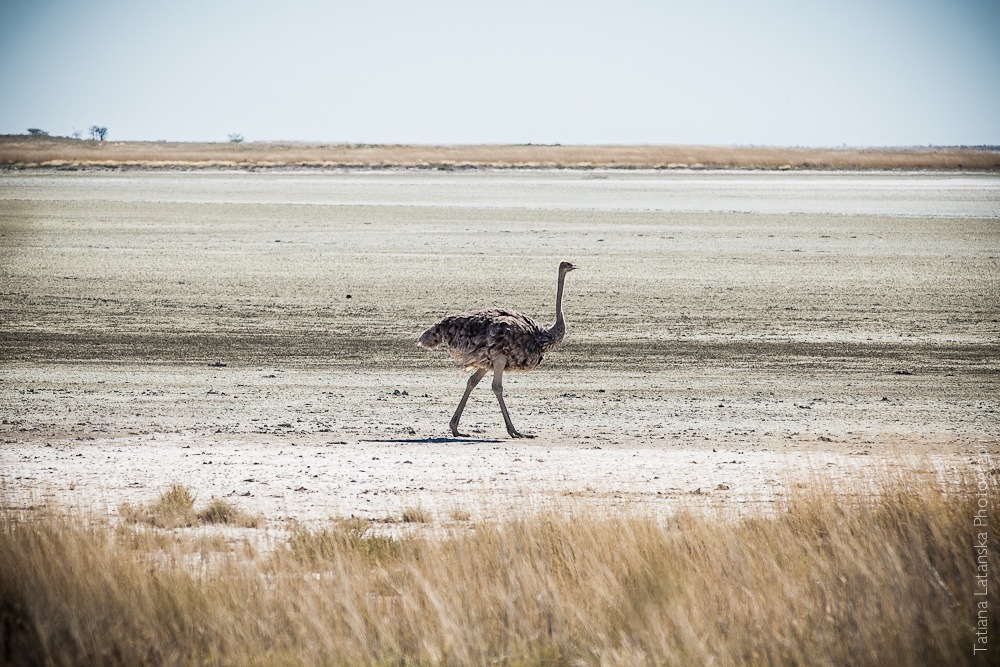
(473, 381)
(498, 365)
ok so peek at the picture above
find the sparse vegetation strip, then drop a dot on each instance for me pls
(42, 151)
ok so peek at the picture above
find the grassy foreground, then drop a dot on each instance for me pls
(27, 152)
(862, 578)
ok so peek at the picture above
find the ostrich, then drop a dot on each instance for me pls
(496, 339)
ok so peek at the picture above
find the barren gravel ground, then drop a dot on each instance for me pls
(730, 335)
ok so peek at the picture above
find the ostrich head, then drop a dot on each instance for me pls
(566, 267)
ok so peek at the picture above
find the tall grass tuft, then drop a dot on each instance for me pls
(175, 509)
(220, 511)
(415, 515)
(352, 537)
(864, 578)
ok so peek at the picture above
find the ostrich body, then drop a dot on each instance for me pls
(500, 340)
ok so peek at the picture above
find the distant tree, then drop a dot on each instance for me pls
(38, 133)
(98, 133)
(235, 137)
(76, 134)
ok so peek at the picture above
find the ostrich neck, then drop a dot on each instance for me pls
(559, 328)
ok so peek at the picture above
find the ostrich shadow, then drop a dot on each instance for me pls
(436, 441)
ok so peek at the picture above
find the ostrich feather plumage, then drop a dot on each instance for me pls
(497, 339)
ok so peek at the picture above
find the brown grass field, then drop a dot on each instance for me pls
(869, 579)
(22, 151)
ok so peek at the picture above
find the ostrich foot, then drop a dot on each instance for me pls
(518, 434)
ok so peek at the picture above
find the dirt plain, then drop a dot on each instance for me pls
(730, 335)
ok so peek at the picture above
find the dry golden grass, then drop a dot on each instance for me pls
(459, 514)
(175, 509)
(859, 578)
(416, 515)
(19, 151)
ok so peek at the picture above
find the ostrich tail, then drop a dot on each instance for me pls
(431, 338)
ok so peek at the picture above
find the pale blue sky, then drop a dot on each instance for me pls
(807, 73)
